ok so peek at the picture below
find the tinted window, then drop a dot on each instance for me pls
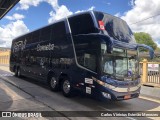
(86, 51)
(45, 34)
(35, 36)
(58, 31)
(82, 24)
(29, 38)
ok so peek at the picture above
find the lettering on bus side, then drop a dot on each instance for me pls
(45, 47)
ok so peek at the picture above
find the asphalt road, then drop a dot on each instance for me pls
(25, 94)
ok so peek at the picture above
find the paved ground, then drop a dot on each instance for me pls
(28, 95)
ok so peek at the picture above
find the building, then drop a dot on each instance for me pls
(4, 55)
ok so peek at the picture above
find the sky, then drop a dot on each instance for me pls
(29, 15)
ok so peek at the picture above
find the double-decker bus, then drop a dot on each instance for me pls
(92, 52)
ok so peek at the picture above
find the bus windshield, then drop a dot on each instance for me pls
(121, 63)
(115, 27)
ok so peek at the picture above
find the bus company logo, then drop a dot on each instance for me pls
(45, 47)
(20, 45)
(6, 114)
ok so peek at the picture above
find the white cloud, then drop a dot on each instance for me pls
(16, 28)
(158, 42)
(107, 3)
(118, 14)
(53, 3)
(10, 31)
(59, 13)
(131, 3)
(142, 9)
(25, 4)
(15, 16)
(91, 8)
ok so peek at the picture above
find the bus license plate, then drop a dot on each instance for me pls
(127, 96)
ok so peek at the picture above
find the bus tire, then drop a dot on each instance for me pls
(18, 72)
(53, 84)
(66, 88)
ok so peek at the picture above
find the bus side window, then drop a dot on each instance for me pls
(87, 60)
(28, 38)
(45, 34)
(58, 32)
(35, 36)
(90, 61)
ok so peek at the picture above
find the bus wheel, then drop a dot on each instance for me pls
(53, 84)
(18, 72)
(66, 88)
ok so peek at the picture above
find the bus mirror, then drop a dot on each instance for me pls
(143, 47)
(151, 53)
(104, 48)
(109, 49)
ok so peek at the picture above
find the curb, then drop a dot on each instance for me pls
(151, 92)
(151, 85)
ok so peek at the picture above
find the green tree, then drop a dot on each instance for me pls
(158, 49)
(145, 38)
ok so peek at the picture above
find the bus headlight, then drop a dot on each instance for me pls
(106, 95)
(104, 84)
(109, 86)
(101, 82)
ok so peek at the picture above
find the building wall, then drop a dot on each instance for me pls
(4, 56)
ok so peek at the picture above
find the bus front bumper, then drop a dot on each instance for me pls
(120, 93)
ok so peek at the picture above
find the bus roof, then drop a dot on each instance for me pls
(63, 19)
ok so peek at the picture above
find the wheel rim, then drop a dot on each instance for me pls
(53, 82)
(66, 86)
(15, 72)
(19, 73)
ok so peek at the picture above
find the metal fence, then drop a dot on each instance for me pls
(153, 72)
(150, 72)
